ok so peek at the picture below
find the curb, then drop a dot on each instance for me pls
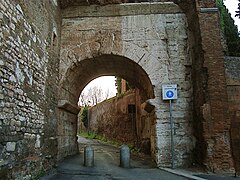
(183, 174)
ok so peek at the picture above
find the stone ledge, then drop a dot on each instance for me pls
(67, 106)
(232, 82)
(148, 107)
(127, 9)
(208, 10)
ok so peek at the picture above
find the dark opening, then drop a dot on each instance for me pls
(131, 109)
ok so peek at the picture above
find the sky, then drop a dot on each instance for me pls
(108, 82)
(232, 7)
(105, 83)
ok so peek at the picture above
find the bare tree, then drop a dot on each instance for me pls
(107, 94)
(83, 100)
(92, 96)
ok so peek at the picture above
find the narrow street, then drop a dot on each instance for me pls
(106, 166)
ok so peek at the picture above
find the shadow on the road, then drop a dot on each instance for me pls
(106, 165)
(112, 154)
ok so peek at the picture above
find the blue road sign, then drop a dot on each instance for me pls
(169, 94)
(169, 91)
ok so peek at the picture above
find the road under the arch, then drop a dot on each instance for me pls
(106, 165)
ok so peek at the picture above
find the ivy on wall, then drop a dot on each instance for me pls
(84, 116)
(229, 30)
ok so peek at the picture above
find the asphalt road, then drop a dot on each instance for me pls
(106, 166)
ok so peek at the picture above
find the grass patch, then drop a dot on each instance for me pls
(103, 139)
(100, 137)
(88, 135)
(41, 173)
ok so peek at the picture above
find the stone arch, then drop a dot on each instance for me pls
(81, 73)
(157, 42)
(78, 75)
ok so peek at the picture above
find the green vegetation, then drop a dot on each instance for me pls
(229, 30)
(118, 84)
(93, 135)
(103, 139)
(84, 116)
(41, 173)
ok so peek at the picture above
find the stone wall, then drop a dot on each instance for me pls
(151, 37)
(146, 44)
(211, 118)
(112, 119)
(232, 65)
(29, 38)
(116, 120)
(216, 124)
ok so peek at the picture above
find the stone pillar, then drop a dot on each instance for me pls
(216, 124)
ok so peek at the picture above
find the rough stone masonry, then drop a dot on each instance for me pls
(153, 36)
(51, 49)
(28, 81)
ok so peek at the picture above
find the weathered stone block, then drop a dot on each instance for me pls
(11, 146)
(64, 104)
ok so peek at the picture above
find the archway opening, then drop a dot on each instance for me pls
(134, 113)
(115, 116)
(98, 90)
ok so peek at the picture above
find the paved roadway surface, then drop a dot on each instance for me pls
(106, 166)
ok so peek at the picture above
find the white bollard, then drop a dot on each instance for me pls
(88, 156)
(125, 156)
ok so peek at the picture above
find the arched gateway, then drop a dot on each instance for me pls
(51, 49)
(147, 46)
